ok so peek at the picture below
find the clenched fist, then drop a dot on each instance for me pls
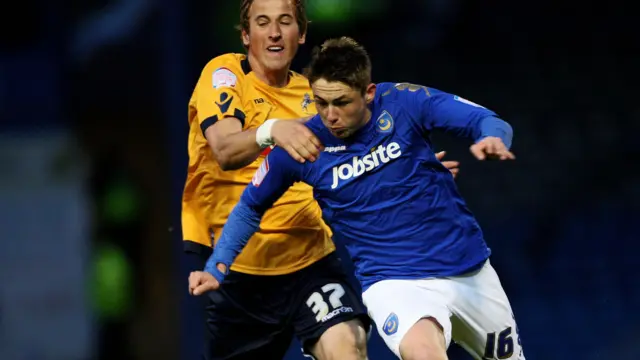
(201, 282)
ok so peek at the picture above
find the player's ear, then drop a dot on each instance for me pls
(302, 38)
(245, 38)
(370, 93)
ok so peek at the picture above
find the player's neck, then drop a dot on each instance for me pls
(365, 120)
(367, 117)
(275, 79)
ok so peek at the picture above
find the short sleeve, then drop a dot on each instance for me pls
(218, 93)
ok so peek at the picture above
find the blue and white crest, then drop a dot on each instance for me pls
(390, 326)
(384, 124)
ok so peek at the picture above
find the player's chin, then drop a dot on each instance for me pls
(277, 62)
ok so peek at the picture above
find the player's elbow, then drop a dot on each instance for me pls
(225, 160)
(223, 156)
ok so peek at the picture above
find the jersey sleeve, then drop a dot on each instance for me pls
(218, 93)
(276, 174)
(439, 110)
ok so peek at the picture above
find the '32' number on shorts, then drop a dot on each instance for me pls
(316, 302)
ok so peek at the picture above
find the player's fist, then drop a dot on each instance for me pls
(201, 282)
(452, 166)
(297, 140)
(491, 148)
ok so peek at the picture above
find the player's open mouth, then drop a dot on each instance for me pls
(275, 49)
(338, 131)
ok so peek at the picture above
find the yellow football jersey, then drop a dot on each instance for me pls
(292, 234)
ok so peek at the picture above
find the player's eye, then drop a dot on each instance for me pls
(286, 20)
(341, 103)
(321, 103)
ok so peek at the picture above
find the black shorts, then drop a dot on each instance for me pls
(256, 317)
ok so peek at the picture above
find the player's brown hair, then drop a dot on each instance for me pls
(342, 60)
(300, 10)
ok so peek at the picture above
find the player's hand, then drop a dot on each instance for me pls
(491, 148)
(453, 166)
(201, 282)
(297, 140)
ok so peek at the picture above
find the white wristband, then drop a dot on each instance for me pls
(263, 134)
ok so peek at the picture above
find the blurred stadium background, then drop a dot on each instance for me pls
(93, 100)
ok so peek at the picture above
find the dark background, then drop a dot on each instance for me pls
(93, 129)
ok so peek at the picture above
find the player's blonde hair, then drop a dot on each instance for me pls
(342, 60)
(300, 10)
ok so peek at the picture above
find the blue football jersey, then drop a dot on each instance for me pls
(395, 207)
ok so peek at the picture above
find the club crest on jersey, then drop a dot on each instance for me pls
(384, 124)
(390, 326)
(306, 101)
(224, 77)
(468, 102)
(261, 173)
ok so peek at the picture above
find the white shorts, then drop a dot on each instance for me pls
(472, 309)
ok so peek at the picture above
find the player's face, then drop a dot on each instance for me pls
(342, 108)
(274, 35)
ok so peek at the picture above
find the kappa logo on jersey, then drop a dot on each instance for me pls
(225, 101)
(260, 174)
(332, 149)
(306, 101)
(384, 123)
(358, 166)
(390, 326)
(224, 77)
(465, 101)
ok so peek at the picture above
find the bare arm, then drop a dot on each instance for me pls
(232, 148)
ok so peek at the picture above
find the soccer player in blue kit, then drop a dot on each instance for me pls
(418, 251)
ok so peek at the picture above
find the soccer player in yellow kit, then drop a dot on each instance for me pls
(288, 280)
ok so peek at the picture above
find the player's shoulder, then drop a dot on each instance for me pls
(384, 89)
(388, 91)
(231, 61)
(226, 70)
(406, 96)
(299, 84)
(298, 79)
(317, 127)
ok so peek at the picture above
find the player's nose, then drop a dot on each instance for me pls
(275, 37)
(332, 115)
(276, 34)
